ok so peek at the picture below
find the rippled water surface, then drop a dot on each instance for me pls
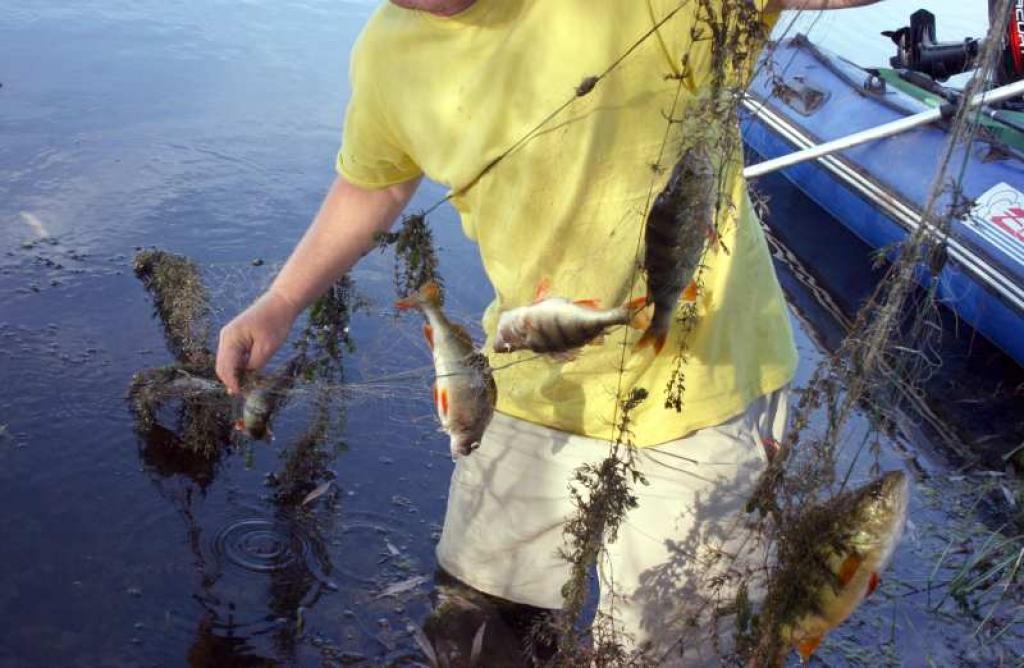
(209, 129)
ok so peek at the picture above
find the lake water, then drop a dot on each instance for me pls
(209, 129)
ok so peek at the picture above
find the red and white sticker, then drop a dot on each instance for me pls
(998, 216)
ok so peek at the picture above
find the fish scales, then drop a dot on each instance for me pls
(556, 325)
(679, 223)
(464, 390)
(867, 523)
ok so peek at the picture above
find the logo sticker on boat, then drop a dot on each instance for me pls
(998, 216)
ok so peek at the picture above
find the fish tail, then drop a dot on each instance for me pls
(656, 333)
(406, 303)
(429, 293)
(639, 318)
(636, 304)
(652, 339)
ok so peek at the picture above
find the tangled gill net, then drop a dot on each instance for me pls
(884, 353)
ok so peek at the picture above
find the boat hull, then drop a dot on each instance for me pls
(879, 191)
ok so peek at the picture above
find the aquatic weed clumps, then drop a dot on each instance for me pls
(602, 495)
(202, 412)
(182, 304)
(885, 352)
(416, 261)
(732, 33)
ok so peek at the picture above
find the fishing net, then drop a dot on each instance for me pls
(889, 351)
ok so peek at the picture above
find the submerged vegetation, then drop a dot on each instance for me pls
(204, 415)
(416, 262)
(798, 498)
(182, 304)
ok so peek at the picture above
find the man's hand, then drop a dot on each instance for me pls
(779, 5)
(344, 229)
(252, 338)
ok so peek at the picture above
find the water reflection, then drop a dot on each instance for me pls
(275, 559)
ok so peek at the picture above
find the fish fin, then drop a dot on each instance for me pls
(428, 334)
(641, 320)
(807, 646)
(543, 287)
(714, 239)
(564, 356)
(444, 401)
(849, 568)
(597, 340)
(588, 303)
(690, 293)
(406, 304)
(636, 304)
(873, 583)
(435, 395)
(430, 292)
(652, 339)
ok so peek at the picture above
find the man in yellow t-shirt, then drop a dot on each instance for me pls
(444, 87)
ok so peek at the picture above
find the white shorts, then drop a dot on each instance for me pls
(684, 549)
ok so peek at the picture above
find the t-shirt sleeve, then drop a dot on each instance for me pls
(372, 154)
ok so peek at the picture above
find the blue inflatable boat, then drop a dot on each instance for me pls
(808, 96)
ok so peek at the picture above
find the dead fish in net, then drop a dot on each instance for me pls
(868, 522)
(558, 326)
(464, 392)
(680, 221)
(261, 400)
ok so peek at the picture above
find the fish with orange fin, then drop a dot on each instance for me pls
(679, 224)
(859, 531)
(560, 327)
(464, 392)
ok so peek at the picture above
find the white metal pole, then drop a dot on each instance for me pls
(880, 132)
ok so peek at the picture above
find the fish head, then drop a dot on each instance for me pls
(463, 444)
(256, 414)
(510, 334)
(879, 508)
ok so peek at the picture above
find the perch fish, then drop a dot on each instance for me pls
(870, 520)
(464, 392)
(558, 326)
(262, 399)
(680, 222)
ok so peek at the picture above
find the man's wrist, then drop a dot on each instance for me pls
(293, 307)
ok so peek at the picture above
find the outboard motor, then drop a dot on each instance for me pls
(1012, 62)
(918, 50)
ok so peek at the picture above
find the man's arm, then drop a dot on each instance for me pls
(779, 5)
(343, 230)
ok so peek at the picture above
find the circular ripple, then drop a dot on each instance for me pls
(262, 546)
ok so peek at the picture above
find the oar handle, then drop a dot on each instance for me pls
(879, 132)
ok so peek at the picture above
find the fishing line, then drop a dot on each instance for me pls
(588, 83)
(964, 133)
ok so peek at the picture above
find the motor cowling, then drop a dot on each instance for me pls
(918, 50)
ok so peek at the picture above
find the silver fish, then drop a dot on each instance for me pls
(559, 326)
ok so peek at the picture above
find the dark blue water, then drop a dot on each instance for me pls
(209, 129)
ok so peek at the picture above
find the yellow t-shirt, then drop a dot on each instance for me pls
(446, 96)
